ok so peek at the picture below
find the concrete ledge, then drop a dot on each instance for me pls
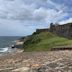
(61, 48)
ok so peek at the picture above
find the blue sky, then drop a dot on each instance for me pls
(22, 17)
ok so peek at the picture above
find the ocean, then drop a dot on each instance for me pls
(6, 42)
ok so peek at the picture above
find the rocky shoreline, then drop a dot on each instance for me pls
(50, 61)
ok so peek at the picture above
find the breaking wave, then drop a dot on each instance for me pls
(4, 49)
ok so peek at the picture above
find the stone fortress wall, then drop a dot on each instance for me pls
(61, 30)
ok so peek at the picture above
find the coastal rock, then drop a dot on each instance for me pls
(53, 61)
(23, 69)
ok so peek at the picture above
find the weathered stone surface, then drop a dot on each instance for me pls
(23, 69)
(51, 61)
(62, 30)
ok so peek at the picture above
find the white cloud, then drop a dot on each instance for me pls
(18, 10)
(28, 15)
(66, 21)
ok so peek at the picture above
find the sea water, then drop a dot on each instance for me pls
(6, 42)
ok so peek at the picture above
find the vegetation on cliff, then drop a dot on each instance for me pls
(44, 41)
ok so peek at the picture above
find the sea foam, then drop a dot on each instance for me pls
(4, 49)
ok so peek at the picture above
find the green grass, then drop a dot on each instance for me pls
(45, 41)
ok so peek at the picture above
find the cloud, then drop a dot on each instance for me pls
(66, 21)
(10, 28)
(18, 10)
(22, 17)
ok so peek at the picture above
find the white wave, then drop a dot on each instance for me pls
(4, 49)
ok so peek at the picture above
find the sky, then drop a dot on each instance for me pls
(23, 17)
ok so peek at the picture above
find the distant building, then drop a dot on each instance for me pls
(62, 30)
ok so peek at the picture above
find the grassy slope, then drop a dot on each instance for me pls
(44, 41)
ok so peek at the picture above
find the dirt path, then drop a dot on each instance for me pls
(51, 61)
